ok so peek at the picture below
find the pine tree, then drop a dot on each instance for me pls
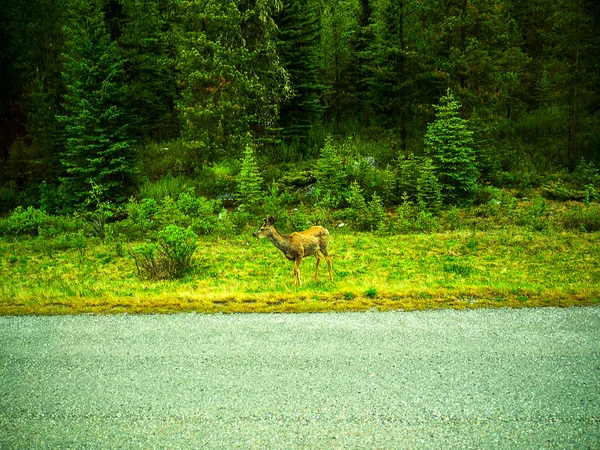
(429, 190)
(331, 177)
(144, 42)
(231, 79)
(250, 181)
(449, 143)
(298, 47)
(98, 148)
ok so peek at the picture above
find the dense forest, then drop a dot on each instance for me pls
(377, 101)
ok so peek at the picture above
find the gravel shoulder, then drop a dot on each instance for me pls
(524, 378)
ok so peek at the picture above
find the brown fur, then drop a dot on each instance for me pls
(298, 245)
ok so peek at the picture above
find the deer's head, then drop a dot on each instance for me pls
(266, 228)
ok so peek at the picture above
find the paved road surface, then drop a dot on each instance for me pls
(441, 379)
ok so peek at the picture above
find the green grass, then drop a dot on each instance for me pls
(510, 267)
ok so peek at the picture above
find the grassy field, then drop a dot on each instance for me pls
(510, 267)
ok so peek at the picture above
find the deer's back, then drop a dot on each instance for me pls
(308, 242)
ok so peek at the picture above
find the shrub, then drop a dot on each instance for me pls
(167, 186)
(23, 221)
(357, 206)
(200, 210)
(170, 258)
(375, 214)
(408, 173)
(365, 216)
(583, 218)
(535, 214)
(426, 222)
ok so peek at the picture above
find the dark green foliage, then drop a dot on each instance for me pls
(98, 147)
(298, 47)
(190, 79)
(230, 76)
(170, 258)
(449, 143)
(144, 42)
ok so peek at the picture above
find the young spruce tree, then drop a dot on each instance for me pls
(250, 182)
(449, 143)
(97, 146)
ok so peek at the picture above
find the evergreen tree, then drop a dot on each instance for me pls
(390, 79)
(429, 190)
(143, 37)
(97, 148)
(331, 177)
(339, 51)
(298, 47)
(230, 77)
(449, 143)
(250, 181)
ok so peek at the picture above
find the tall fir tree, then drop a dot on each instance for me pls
(449, 143)
(298, 47)
(230, 77)
(98, 148)
(143, 41)
(250, 181)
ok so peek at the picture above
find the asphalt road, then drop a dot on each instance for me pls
(479, 379)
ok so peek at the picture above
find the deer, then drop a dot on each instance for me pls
(298, 245)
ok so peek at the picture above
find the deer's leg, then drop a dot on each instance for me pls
(297, 279)
(328, 258)
(318, 258)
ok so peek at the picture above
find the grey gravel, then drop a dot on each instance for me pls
(526, 378)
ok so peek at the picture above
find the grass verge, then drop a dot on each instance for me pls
(462, 269)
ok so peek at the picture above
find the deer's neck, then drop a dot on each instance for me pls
(280, 241)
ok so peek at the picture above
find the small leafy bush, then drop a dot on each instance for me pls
(535, 215)
(23, 221)
(583, 218)
(170, 258)
(202, 212)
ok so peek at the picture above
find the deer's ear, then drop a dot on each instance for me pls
(271, 220)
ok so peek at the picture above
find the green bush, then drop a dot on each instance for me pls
(429, 189)
(167, 186)
(583, 218)
(534, 215)
(170, 258)
(23, 221)
(201, 211)
(408, 173)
